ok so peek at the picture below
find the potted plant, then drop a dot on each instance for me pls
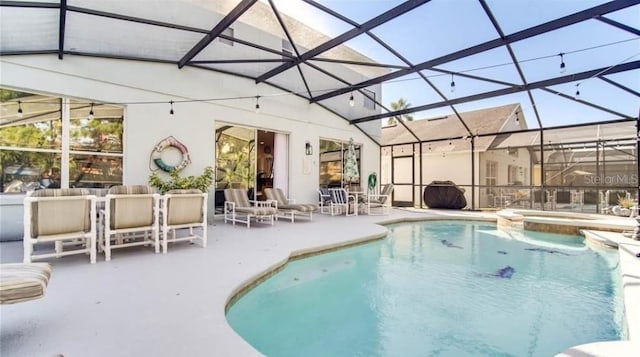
(176, 182)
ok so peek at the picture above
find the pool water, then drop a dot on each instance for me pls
(437, 289)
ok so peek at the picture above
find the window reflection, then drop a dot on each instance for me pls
(31, 145)
(332, 156)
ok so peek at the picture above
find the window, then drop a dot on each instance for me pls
(369, 99)
(34, 155)
(229, 33)
(332, 160)
(491, 175)
(287, 49)
(514, 176)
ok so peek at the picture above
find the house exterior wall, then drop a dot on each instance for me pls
(120, 81)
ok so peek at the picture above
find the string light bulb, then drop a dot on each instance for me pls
(577, 91)
(19, 109)
(352, 101)
(91, 112)
(453, 84)
(171, 107)
(563, 67)
(257, 104)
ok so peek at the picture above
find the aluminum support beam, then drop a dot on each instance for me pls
(355, 32)
(489, 45)
(231, 17)
(496, 93)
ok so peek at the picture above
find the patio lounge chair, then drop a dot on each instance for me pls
(287, 208)
(130, 218)
(380, 203)
(340, 200)
(184, 209)
(23, 282)
(237, 206)
(65, 217)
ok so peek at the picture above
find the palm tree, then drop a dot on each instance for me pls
(400, 104)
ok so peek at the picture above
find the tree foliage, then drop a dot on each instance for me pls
(400, 104)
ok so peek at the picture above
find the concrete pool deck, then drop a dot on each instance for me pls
(143, 304)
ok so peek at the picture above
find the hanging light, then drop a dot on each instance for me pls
(19, 109)
(577, 91)
(171, 105)
(257, 104)
(352, 101)
(453, 84)
(563, 67)
(91, 112)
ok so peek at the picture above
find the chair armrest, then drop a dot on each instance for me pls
(377, 197)
(228, 205)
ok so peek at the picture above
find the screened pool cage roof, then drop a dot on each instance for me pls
(443, 57)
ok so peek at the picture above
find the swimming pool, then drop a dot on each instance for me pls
(437, 288)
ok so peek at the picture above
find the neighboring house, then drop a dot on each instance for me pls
(495, 164)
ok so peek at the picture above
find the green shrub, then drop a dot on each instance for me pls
(176, 182)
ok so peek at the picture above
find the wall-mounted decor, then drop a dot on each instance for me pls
(156, 155)
(308, 149)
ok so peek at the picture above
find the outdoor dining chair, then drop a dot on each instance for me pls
(342, 200)
(183, 209)
(130, 218)
(379, 204)
(64, 217)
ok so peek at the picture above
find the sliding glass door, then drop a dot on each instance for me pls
(250, 159)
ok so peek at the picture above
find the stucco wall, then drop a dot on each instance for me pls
(116, 81)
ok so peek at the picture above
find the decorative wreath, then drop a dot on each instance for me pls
(372, 180)
(156, 154)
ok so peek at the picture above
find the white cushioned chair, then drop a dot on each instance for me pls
(130, 218)
(183, 209)
(64, 217)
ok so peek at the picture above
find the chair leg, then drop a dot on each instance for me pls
(28, 249)
(107, 246)
(165, 235)
(92, 247)
(155, 233)
(204, 236)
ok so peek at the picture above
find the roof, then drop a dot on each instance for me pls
(489, 120)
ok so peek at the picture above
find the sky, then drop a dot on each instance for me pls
(444, 26)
